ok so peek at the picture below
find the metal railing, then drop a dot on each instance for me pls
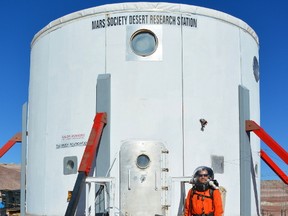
(109, 194)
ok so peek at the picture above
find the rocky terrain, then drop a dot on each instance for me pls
(274, 198)
(9, 177)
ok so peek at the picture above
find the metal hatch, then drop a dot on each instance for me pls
(143, 178)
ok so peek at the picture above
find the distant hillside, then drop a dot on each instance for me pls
(274, 198)
(9, 177)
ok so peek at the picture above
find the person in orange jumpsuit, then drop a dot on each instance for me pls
(203, 199)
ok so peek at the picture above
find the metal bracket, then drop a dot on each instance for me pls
(251, 125)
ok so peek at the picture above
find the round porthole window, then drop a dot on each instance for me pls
(256, 69)
(70, 165)
(144, 42)
(143, 161)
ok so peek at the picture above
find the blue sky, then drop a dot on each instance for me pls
(21, 20)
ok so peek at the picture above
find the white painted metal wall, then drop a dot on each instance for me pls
(194, 73)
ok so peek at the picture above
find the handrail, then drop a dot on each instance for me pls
(110, 193)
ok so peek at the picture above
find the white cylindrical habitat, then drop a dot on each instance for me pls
(177, 83)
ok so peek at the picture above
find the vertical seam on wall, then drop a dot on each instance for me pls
(240, 57)
(105, 64)
(182, 101)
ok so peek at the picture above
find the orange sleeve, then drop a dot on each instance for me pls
(187, 204)
(217, 203)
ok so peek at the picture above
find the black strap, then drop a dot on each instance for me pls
(210, 214)
(210, 197)
(210, 191)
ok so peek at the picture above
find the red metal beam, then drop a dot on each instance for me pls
(274, 167)
(88, 157)
(261, 133)
(16, 138)
(91, 149)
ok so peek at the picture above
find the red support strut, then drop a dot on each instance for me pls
(274, 167)
(16, 138)
(88, 157)
(261, 133)
(91, 149)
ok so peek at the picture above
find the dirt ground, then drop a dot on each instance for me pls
(9, 176)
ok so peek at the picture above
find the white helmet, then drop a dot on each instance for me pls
(197, 172)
